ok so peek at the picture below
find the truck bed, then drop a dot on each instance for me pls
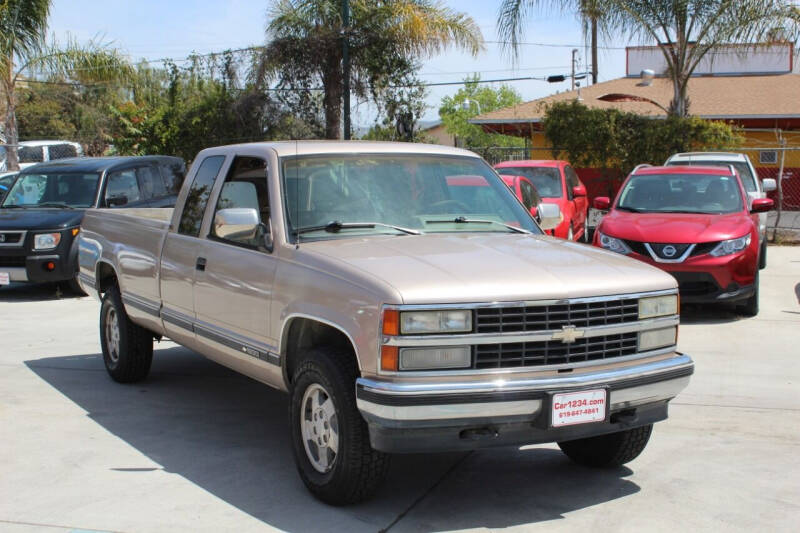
(129, 240)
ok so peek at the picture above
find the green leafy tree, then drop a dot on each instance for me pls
(686, 31)
(617, 141)
(305, 45)
(474, 99)
(24, 51)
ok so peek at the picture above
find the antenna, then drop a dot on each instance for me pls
(297, 196)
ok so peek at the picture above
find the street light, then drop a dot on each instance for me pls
(466, 105)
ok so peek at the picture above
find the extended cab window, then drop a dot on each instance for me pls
(122, 188)
(245, 187)
(196, 200)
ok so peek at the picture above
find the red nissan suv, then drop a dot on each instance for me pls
(693, 222)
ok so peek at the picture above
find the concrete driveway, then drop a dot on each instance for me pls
(198, 447)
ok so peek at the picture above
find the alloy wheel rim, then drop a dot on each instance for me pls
(319, 428)
(112, 334)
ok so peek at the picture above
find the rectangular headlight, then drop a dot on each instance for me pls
(46, 241)
(435, 358)
(657, 338)
(658, 306)
(417, 322)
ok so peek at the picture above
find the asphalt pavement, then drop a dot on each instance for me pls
(198, 447)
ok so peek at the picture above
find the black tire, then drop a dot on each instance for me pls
(612, 450)
(762, 255)
(355, 471)
(750, 306)
(127, 353)
(75, 287)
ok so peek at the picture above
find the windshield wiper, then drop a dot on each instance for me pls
(336, 226)
(631, 209)
(465, 220)
(53, 204)
(11, 206)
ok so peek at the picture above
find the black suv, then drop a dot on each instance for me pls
(42, 212)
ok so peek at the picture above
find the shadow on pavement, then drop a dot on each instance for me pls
(708, 314)
(228, 435)
(36, 292)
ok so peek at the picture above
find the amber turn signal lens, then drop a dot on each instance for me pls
(389, 358)
(50, 266)
(391, 322)
(75, 231)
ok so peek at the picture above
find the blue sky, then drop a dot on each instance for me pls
(153, 29)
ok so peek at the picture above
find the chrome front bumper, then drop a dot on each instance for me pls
(393, 404)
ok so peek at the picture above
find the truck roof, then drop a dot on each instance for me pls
(290, 148)
(96, 164)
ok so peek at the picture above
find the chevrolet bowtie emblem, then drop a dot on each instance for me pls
(568, 334)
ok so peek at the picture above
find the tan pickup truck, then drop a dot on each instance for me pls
(401, 295)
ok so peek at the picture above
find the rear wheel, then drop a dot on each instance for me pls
(614, 449)
(127, 348)
(330, 439)
(750, 306)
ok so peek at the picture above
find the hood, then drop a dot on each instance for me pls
(39, 219)
(455, 268)
(675, 227)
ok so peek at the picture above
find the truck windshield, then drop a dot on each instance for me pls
(422, 193)
(547, 180)
(681, 193)
(53, 190)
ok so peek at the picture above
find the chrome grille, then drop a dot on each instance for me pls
(546, 317)
(541, 353)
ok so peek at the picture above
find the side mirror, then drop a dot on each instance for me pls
(239, 223)
(762, 205)
(769, 184)
(116, 200)
(602, 202)
(534, 212)
(549, 216)
(242, 224)
(578, 191)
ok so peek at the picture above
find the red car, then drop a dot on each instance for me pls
(693, 222)
(525, 191)
(557, 183)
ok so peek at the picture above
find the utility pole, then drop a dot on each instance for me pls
(346, 67)
(574, 52)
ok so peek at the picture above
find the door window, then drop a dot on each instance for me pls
(122, 188)
(150, 182)
(196, 200)
(30, 154)
(572, 179)
(245, 187)
(61, 151)
(172, 175)
(530, 198)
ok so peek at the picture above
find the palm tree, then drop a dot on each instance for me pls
(23, 49)
(304, 46)
(514, 14)
(687, 30)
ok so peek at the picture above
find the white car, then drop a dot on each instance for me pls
(743, 165)
(33, 152)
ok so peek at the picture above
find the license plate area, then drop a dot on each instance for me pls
(579, 407)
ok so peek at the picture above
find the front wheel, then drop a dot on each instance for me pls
(127, 348)
(750, 306)
(614, 449)
(762, 256)
(330, 439)
(75, 287)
